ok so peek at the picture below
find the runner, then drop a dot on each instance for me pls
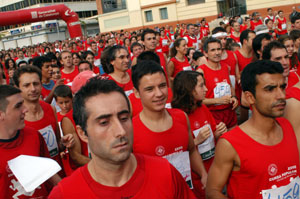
(40, 116)
(159, 131)
(189, 91)
(116, 65)
(237, 163)
(102, 116)
(220, 97)
(16, 139)
(69, 71)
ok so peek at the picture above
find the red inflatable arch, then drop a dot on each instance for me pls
(59, 11)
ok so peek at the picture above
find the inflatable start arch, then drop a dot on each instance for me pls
(59, 11)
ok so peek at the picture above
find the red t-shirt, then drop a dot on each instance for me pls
(254, 24)
(153, 178)
(217, 83)
(293, 92)
(242, 61)
(180, 66)
(260, 169)
(236, 39)
(230, 61)
(282, 25)
(191, 41)
(47, 127)
(200, 118)
(70, 76)
(171, 144)
(293, 79)
(27, 142)
(127, 87)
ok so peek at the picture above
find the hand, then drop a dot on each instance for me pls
(224, 100)
(68, 140)
(220, 129)
(204, 180)
(234, 102)
(203, 135)
(59, 82)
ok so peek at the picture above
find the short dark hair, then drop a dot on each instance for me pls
(256, 43)
(22, 62)
(5, 92)
(51, 56)
(148, 55)
(93, 87)
(135, 44)
(210, 40)
(189, 25)
(218, 29)
(268, 48)
(86, 53)
(183, 87)
(109, 55)
(85, 62)
(143, 68)
(197, 54)
(250, 72)
(40, 60)
(295, 18)
(245, 35)
(26, 69)
(295, 34)
(147, 31)
(62, 91)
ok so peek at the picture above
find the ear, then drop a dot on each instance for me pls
(112, 62)
(204, 53)
(81, 134)
(136, 93)
(2, 115)
(249, 97)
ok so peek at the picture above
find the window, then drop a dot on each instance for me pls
(163, 13)
(192, 2)
(113, 5)
(148, 16)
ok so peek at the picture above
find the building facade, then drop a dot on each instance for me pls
(134, 14)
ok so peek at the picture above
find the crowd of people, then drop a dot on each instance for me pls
(184, 112)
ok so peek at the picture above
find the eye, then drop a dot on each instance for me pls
(103, 122)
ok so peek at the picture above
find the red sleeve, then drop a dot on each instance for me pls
(43, 147)
(55, 193)
(181, 189)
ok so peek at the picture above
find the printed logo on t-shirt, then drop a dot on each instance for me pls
(272, 169)
(160, 150)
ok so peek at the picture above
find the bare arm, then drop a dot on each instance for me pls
(54, 180)
(170, 71)
(75, 150)
(195, 158)
(220, 170)
(49, 98)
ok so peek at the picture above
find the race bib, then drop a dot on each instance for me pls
(195, 45)
(222, 89)
(283, 26)
(164, 42)
(207, 148)
(168, 105)
(181, 161)
(172, 37)
(232, 80)
(128, 92)
(290, 191)
(50, 139)
(187, 68)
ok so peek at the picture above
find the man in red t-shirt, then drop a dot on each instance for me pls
(40, 115)
(235, 35)
(69, 71)
(16, 139)
(255, 20)
(114, 171)
(220, 97)
(236, 163)
(191, 38)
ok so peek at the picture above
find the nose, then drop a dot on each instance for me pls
(118, 128)
(281, 93)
